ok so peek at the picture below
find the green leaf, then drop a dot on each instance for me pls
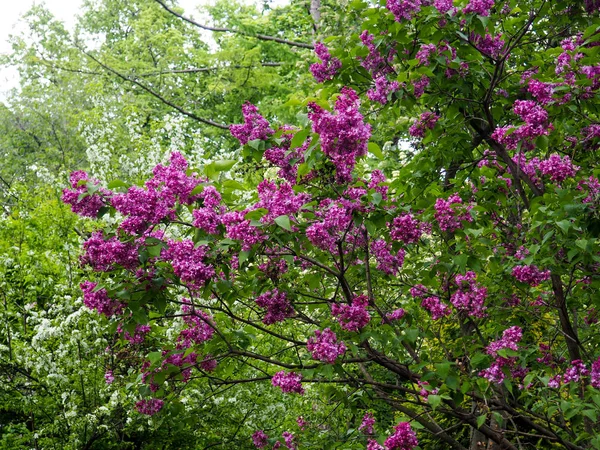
(224, 165)
(117, 184)
(434, 400)
(481, 420)
(197, 190)
(299, 138)
(284, 222)
(154, 357)
(375, 150)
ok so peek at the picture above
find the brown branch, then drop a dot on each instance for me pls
(262, 37)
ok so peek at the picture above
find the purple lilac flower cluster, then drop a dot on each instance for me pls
(367, 424)
(279, 200)
(479, 7)
(510, 338)
(425, 122)
(238, 228)
(592, 187)
(372, 444)
(260, 439)
(470, 296)
(557, 168)
(344, 135)
(406, 228)
(396, 314)
(492, 46)
(150, 406)
(443, 6)
(336, 219)
(199, 326)
(573, 374)
(404, 438)
(420, 85)
(451, 213)
(289, 382)
(188, 262)
(254, 127)
(104, 254)
(403, 9)
(536, 124)
(109, 377)
(530, 274)
(386, 261)
(595, 375)
(99, 300)
(324, 346)
(285, 158)
(352, 317)
(83, 203)
(139, 335)
(383, 88)
(379, 67)
(277, 305)
(328, 67)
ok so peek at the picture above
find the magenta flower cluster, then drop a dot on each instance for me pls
(406, 228)
(254, 127)
(558, 169)
(425, 122)
(352, 317)
(383, 89)
(277, 305)
(368, 421)
(328, 67)
(574, 373)
(104, 254)
(199, 326)
(404, 438)
(82, 202)
(379, 67)
(479, 7)
(492, 46)
(403, 9)
(386, 261)
(530, 275)
(536, 124)
(98, 299)
(324, 346)
(260, 439)
(510, 338)
(149, 407)
(451, 213)
(344, 135)
(336, 219)
(285, 158)
(289, 382)
(470, 296)
(189, 262)
(279, 200)
(436, 307)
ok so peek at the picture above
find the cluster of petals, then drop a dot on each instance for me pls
(372, 444)
(383, 88)
(254, 127)
(557, 168)
(104, 254)
(510, 338)
(406, 228)
(595, 375)
(420, 85)
(344, 134)
(404, 438)
(443, 6)
(374, 62)
(328, 67)
(109, 377)
(574, 373)
(99, 300)
(536, 124)
(207, 217)
(336, 220)
(396, 314)
(189, 262)
(451, 213)
(238, 228)
(139, 335)
(325, 347)
(530, 274)
(352, 317)
(368, 421)
(386, 261)
(277, 305)
(436, 307)
(260, 439)
(83, 203)
(150, 406)
(199, 326)
(286, 158)
(591, 186)
(425, 122)
(492, 46)
(470, 296)
(479, 7)
(403, 9)
(279, 200)
(289, 382)
(172, 181)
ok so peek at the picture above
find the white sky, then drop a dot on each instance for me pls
(65, 10)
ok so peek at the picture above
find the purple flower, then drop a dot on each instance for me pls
(81, 201)
(404, 438)
(426, 122)
(109, 377)
(150, 406)
(367, 423)
(557, 168)
(324, 346)
(99, 300)
(436, 307)
(254, 127)
(386, 262)
(189, 262)
(451, 213)
(277, 305)
(383, 88)
(480, 7)
(595, 376)
(397, 314)
(470, 296)
(352, 317)
(199, 326)
(443, 6)
(329, 66)
(289, 382)
(260, 439)
(403, 9)
(530, 275)
(406, 228)
(104, 254)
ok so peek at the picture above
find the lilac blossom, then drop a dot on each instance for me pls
(98, 299)
(82, 202)
(420, 85)
(277, 305)
(595, 375)
(404, 438)
(104, 254)
(289, 382)
(109, 377)
(199, 326)
(470, 296)
(238, 228)
(403, 9)
(406, 228)
(397, 314)
(260, 439)
(451, 213)
(425, 122)
(480, 7)
(372, 444)
(374, 62)
(383, 88)
(443, 6)
(189, 262)
(279, 200)
(367, 423)
(352, 317)
(324, 346)
(386, 261)
(254, 127)
(149, 407)
(437, 308)
(557, 168)
(328, 67)
(530, 275)
(344, 135)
